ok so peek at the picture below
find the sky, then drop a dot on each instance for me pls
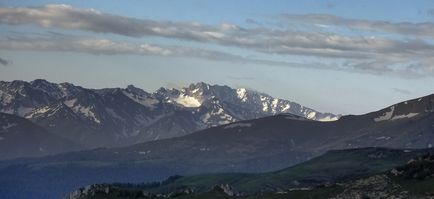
(346, 57)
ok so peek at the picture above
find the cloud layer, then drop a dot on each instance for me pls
(67, 43)
(403, 28)
(408, 56)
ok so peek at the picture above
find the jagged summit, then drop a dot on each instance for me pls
(259, 104)
(132, 89)
(123, 116)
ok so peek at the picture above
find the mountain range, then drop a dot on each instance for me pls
(259, 145)
(113, 117)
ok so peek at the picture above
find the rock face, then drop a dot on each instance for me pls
(378, 186)
(226, 189)
(90, 191)
(420, 168)
(397, 183)
(118, 117)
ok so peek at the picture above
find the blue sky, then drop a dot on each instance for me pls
(348, 57)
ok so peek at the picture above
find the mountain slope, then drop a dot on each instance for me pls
(334, 166)
(22, 138)
(260, 145)
(118, 117)
(358, 172)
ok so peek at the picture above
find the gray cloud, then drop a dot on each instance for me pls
(375, 55)
(4, 62)
(258, 39)
(402, 28)
(66, 43)
(402, 91)
(68, 17)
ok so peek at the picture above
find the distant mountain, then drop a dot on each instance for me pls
(357, 173)
(119, 117)
(21, 138)
(259, 145)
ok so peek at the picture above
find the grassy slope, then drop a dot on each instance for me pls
(331, 167)
(347, 166)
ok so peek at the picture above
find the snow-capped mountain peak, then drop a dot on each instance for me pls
(253, 104)
(115, 116)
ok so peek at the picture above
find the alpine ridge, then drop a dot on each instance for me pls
(119, 117)
(258, 145)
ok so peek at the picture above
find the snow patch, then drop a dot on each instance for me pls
(42, 110)
(86, 111)
(144, 152)
(220, 111)
(224, 122)
(383, 138)
(242, 94)
(187, 101)
(311, 115)
(386, 115)
(195, 90)
(274, 105)
(410, 115)
(265, 104)
(287, 106)
(6, 98)
(205, 117)
(328, 119)
(204, 149)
